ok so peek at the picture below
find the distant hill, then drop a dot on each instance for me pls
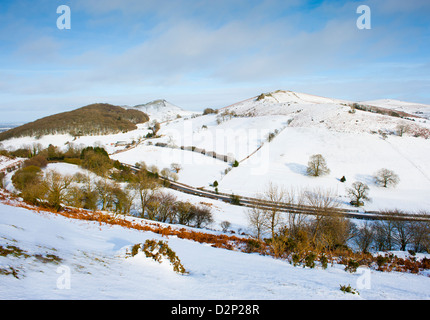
(162, 110)
(94, 119)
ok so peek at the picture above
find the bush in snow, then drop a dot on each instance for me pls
(225, 225)
(159, 250)
(348, 289)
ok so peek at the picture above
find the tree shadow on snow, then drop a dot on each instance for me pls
(297, 168)
(365, 178)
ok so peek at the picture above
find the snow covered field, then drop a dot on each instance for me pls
(74, 259)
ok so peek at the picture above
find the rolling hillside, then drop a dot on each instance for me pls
(272, 136)
(94, 119)
(355, 143)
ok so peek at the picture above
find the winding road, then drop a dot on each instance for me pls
(284, 207)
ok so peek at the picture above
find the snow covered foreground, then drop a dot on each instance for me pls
(90, 263)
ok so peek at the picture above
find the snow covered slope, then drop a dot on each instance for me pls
(418, 109)
(63, 258)
(162, 110)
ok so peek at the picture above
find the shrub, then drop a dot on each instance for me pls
(96, 160)
(351, 266)
(159, 250)
(37, 161)
(253, 245)
(235, 199)
(324, 261)
(2, 175)
(27, 180)
(209, 111)
(348, 289)
(278, 246)
(295, 259)
(225, 225)
(202, 216)
(310, 260)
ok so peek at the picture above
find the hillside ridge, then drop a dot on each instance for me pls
(93, 119)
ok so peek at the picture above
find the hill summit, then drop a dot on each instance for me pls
(161, 110)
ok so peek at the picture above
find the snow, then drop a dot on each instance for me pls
(162, 110)
(63, 140)
(284, 162)
(355, 145)
(421, 110)
(94, 266)
(305, 124)
(197, 169)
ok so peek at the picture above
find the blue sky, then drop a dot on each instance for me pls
(207, 53)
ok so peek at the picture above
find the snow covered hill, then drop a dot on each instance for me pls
(162, 110)
(272, 136)
(418, 109)
(354, 142)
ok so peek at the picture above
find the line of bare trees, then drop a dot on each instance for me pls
(394, 234)
(327, 229)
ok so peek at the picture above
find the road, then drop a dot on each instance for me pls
(283, 207)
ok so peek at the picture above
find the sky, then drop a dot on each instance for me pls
(207, 53)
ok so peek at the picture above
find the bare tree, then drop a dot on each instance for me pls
(401, 129)
(122, 199)
(165, 211)
(403, 232)
(383, 232)
(165, 173)
(104, 188)
(327, 227)
(55, 186)
(321, 200)
(420, 230)
(145, 187)
(202, 216)
(364, 236)
(385, 178)
(183, 212)
(296, 220)
(275, 195)
(225, 225)
(256, 218)
(317, 166)
(176, 167)
(358, 192)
